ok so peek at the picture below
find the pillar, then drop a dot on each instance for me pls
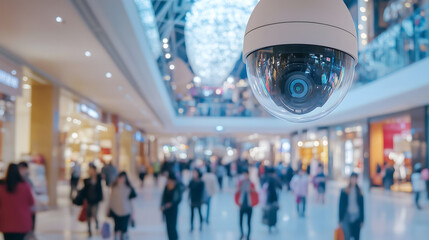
(44, 134)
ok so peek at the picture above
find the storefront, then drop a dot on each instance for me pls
(10, 89)
(346, 146)
(397, 141)
(310, 149)
(85, 138)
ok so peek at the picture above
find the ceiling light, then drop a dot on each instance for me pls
(300, 144)
(230, 80)
(181, 110)
(167, 78)
(219, 128)
(108, 75)
(172, 67)
(26, 86)
(197, 80)
(69, 119)
(165, 40)
(25, 78)
(360, 26)
(13, 72)
(363, 35)
(29, 104)
(362, 9)
(75, 135)
(364, 18)
(218, 91)
(167, 55)
(88, 53)
(165, 45)
(364, 42)
(59, 19)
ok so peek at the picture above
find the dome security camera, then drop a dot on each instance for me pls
(300, 56)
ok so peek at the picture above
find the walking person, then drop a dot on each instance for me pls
(418, 183)
(246, 198)
(16, 203)
(299, 185)
(273, 186)
(120, 206)
(389, 173)
(320, 182)
(211, 188)
(196, 191)
(289, 176)
(220, 173)
(109, 173)
(93, 193)
(351, 209)
(142, 174)
(74, 179)
(170, 201)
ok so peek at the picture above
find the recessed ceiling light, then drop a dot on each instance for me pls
(59, 19)
(165, 45)
(108, 75)
(29, 104)
(165, 40)
(167, 78)
(88, 53)
(26, 86)
(25, 78)
(172, 67)
(219, 128)
(167, 55)
(13, 72)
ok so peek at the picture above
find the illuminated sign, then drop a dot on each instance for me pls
(9, 80)
(89, 111)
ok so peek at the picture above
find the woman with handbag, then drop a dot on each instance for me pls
(170, 201)
(16, 202)
(92, 194)
(246, 198)
(351, 209)
(120, 206)
(196, 195)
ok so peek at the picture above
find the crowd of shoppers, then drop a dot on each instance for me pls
(17, 215)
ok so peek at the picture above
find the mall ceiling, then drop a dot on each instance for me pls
(112, 30)
(31, 35)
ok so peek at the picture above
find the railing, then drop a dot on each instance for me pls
(398, 47)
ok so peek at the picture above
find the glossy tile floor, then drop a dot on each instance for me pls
(387, 218)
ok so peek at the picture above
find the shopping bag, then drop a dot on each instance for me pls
(339, 234)
(83, 215)
(105, 230)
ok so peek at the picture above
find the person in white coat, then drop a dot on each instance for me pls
(418, 183)
(211, 188)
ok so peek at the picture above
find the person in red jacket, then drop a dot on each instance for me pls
(16, 202)
(246, 198)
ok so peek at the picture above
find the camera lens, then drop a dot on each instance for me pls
(298, 86)
(299, 82)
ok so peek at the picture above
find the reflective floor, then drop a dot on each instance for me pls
(387, 217)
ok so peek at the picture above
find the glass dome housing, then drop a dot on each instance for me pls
(300, 83)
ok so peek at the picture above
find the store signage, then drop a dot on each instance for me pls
(9, 80)
(89, 111)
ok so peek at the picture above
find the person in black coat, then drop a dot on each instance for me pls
(92, 192)
(273, 187)
(196, 195)
(351, 209)
(170, 201)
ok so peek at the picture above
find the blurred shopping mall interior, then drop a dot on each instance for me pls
(148, 82)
